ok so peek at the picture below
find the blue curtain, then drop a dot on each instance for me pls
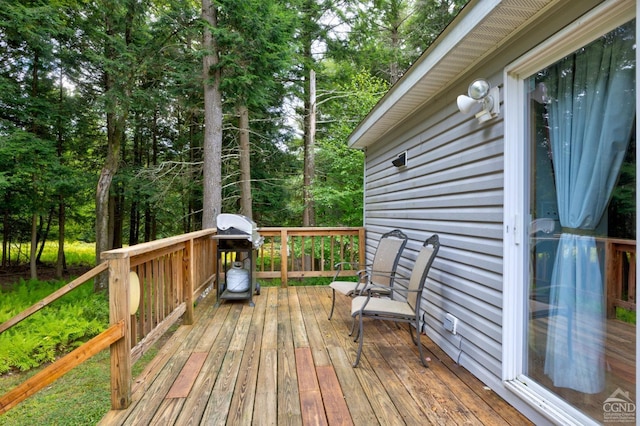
(591, 116)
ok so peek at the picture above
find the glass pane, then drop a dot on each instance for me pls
(581, 310)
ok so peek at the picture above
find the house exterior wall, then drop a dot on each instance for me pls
(453, 185)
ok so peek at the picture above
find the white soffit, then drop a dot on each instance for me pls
(481, 27)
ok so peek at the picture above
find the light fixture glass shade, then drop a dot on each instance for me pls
(479, 89)
(465, 104)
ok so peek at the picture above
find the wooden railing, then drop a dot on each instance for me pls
(620, 273)
(308, 252)
(172, 273)
(619, 270)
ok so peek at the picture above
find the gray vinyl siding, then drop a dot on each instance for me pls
(453, 186)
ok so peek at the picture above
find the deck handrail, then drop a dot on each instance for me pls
(308, 251)
(173, 272)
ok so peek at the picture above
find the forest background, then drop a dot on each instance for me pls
(124, 121)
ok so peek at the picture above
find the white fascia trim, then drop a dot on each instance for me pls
(592, 25)
(433, 55)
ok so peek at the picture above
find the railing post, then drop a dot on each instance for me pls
(187, 280)
(362, 246)
(284, 258)
(121, 377)
(611, 277)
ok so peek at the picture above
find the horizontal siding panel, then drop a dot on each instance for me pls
(445, 229)
(479, 199)
(486, 335)
(479, 260)
(473, 283)
(466, 250)
(432, 162)
(478, 215)
(482, 358)
(421, 177)
(434, 187)
(421, 162)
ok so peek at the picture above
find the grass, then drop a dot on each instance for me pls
(76, 253)
(81, 397)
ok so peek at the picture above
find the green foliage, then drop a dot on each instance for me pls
(339, 169)
(621, 214)
(76, 253)
(626, 316)
(57, 328)
(80, 397)
(55, 100)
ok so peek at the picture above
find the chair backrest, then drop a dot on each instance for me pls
(387, 256)
(421, 270)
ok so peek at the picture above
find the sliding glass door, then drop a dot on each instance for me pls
(581, 171)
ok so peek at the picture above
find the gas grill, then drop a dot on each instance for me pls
(239, 235)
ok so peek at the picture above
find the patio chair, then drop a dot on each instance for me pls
(391, 309)
(381, 273)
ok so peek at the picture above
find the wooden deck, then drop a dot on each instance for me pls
(282, 362)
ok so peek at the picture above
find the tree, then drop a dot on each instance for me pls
(212, 176)
(340, 169)
(32, 114)
(311, 31)
(430, 18)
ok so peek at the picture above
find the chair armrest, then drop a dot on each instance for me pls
(355, 265)
(339, 267)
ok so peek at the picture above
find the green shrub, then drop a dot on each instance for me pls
(626, 315)
(55, 329)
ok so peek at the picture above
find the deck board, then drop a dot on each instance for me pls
(282, 362)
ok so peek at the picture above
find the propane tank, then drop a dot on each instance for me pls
(237, 278)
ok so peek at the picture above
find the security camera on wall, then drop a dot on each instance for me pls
(400, 160)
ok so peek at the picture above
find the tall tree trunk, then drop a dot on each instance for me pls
(5, 232)
(245, 162)
(309, 216)
(116, 119)
(34, 245)
(60, 262)
(134, 211)
(212, 168)
(394, 72)
(191, 223)
(102, 197)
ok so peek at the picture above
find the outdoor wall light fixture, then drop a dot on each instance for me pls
(400, 160)
(480, 92)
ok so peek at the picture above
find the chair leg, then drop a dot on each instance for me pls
(413, 338)
(333, 302)
(353, 328)
(361, 336)
(420, 350)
